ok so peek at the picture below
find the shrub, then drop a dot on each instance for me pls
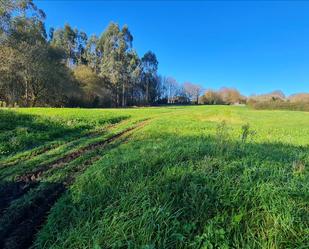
(279, 104)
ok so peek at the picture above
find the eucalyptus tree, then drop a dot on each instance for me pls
(65, 38)
(109, 67)
(93, 55)
(73, 42)
(81, 43)
(134, 73)
(14, 10)
(115, 44)
(51, 34)
(41, 69)
(149, 72)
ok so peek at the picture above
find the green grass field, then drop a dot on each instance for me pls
(166, 177)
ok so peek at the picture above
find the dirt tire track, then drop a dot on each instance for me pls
(20, 232)
(36, 174)
(21, 229)
(38, 151)
(12, 191)
(44, 148)
(29, 180)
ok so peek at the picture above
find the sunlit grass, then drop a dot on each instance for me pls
(193, 177)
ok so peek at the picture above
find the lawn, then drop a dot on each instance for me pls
(158, 177)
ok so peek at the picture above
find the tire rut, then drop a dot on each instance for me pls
(11, 191)
(47, 147)
(36, 174)
(20, 230)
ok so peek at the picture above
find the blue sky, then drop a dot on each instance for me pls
(256, 46)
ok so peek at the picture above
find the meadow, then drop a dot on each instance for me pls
(157, 177)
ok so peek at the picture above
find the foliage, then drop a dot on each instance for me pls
(69, 68)
(193, 91)
(299, 98)
(39, 70)
(95, 89)
(225, 96)
(277, 100)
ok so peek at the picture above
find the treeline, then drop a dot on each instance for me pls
(277, 100)
(31, 70)
(273, 100)
(224, 96)
(67, 68)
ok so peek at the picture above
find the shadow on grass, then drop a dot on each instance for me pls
(187, 192)
(24, 217)
(10, 191)
(26, 204)
(22, 132)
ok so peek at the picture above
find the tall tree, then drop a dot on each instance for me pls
(230, 95)
(149, 73)
(12, 12)
(81, 43)
(115, 45)
(211, 97)
(193, 91)
(134, 73)
(31, 70)
(36, 69)
(172, 88)
(93, 55)
(72, 42)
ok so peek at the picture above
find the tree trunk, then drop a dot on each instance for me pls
(147, 92)
(123, 95)
(132, 97)
(116, 100)
(34, 102)
(27, 93)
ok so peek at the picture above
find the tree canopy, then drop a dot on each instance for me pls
(69, 68)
